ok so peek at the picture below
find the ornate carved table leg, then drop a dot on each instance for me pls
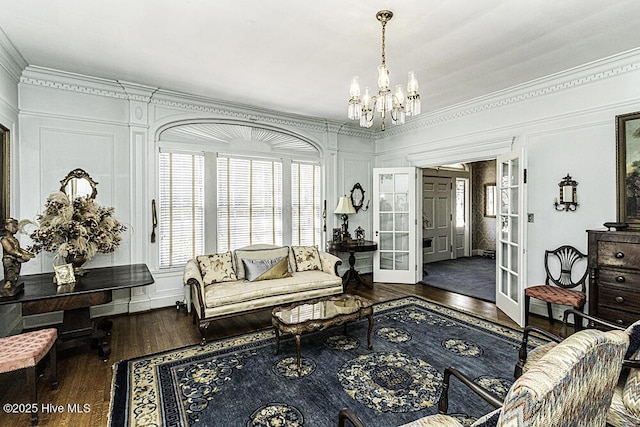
(277, 340)
(370, 316)
(298, 354)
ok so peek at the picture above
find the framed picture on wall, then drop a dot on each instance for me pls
(628, 168)
(4, 173)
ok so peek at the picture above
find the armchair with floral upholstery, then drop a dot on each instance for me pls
(625, 404)
(572, 385)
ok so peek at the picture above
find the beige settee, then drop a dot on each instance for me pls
(226, 284)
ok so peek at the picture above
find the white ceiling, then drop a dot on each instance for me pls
(298, 55)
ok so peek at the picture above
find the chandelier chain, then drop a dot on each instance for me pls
(384, 24)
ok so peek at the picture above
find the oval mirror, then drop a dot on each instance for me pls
(78, 183)
(357, 196)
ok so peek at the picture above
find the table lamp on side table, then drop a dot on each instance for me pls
(345, 208)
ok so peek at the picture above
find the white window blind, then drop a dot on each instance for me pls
(249, 202)
(306, 209)
(181, 207)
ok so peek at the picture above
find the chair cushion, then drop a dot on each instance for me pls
(556, 295)
(25, 350)
(307, 258)
(437, 420)
(631, 390)
(618, 415)
(216, 268)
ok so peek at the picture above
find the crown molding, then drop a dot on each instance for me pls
(10, 58)
(602, 69)
(72, 82)
(605, 68)
(119, 89)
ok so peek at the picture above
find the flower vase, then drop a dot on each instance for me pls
(77, 261)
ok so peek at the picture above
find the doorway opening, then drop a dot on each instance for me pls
(459, 228)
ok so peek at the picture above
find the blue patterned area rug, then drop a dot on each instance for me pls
(240, 382)
(471, 276)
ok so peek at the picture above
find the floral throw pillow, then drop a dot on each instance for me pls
(307, 258)
(216, 268)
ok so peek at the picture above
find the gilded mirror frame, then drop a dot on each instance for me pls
(79, 174)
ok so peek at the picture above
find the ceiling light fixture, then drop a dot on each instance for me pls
(385, 101)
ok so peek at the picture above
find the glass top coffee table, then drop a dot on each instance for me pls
(318, 314)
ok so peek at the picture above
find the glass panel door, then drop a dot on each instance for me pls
(511, 232)
(394, 225)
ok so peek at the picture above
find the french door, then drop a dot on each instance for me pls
(395, 226)
(511, 235)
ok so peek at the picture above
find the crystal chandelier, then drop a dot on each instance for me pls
(385, 101)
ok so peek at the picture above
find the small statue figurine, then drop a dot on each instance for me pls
(12, 256)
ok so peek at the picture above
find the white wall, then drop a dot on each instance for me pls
(565, 123)
(110, 129)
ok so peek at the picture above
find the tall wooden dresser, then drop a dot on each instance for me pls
(614, 275)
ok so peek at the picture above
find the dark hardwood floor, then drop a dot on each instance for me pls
(86, 380)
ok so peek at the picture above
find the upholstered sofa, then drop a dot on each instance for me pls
(256, 277)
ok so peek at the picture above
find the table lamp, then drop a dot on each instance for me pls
(345, 208)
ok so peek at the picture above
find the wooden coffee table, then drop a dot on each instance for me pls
(318, 314)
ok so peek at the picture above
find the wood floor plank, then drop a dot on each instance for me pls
(85, 379)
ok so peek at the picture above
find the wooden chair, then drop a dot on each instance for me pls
(572, 384)
(25, 351)
(559, 290)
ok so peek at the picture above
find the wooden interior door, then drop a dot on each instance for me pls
(436, 223)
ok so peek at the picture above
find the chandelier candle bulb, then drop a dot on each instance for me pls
(385, 101)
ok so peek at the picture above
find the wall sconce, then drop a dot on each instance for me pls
(568, 195)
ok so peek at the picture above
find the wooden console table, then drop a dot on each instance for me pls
(42, 295)
(353, 246)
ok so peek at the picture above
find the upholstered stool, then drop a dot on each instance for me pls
(24, 351)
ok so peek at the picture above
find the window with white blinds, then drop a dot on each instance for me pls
(306, 209)
(181, 207)
(249, 202)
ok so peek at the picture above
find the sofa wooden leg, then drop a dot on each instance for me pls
(204, 326)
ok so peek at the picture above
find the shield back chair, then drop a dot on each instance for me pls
(560, 288)
(25, 351)
(625, 403)
(572, 385)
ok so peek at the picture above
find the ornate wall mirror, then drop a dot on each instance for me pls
(357, 197)
(78, 183)
(490, 200)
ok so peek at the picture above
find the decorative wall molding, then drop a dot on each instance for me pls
(445, 153)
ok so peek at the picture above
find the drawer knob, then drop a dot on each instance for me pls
(620, 322)
(620, 279)
(619, 300)
(619, 255)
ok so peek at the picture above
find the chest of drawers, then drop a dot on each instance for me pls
(614, 275)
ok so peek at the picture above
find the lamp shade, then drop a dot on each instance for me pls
(345, 206)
